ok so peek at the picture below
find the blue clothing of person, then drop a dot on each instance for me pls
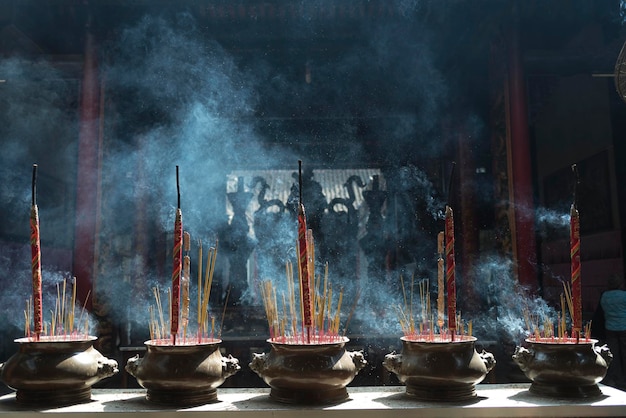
(614, 306)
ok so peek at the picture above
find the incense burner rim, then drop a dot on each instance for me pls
(562, 343)
(463, 339)
(55, 339)
(342, 340)
(168, 344)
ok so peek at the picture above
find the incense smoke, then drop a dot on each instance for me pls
(182, 99)
(15, 267)
(505, 303)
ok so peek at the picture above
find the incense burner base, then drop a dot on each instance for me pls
(181, 397)
(565, 391)
(309, 396)
(53, 397)
(440, 371)
(184, 374)
(55, 372)
(308, 374)
(564, 369)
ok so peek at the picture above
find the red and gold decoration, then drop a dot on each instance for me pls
(305, 250)
(575, 263)
(177, 265)
(441, 298)
(450, 271)
(35, 247)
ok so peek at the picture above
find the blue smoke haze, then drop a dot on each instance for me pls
(182, 99)
(505, 302)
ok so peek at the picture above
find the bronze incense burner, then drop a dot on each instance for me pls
(313, 374)
(55, 371)
(184, 374)
(440, 370)
(563, 369)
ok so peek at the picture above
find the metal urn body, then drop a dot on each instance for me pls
(55, 371)
(564, 369)
(313, 374)
(440, 371)
(184, 374)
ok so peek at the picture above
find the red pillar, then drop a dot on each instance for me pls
(521, 170)
(87, 175)
(468, 228)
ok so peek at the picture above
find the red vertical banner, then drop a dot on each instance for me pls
(520, 167)
(575, 270)
(450, 270)
(85, 266)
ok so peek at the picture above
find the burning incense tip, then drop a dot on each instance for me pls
(300, 180)
(178, 187)
(34, 185)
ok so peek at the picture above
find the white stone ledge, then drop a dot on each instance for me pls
(508, 400)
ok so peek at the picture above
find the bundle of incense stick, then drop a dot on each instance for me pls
(285, 313)
(543, 329)
(421, 324)
(63, 323)
(205, 322)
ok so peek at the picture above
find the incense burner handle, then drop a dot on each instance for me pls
(603, 351)
(258, 363)
(393, 362)
(358, 359)
(230, 366)
(488, 359)
(522, 357)
(107, 367)
(132, 365)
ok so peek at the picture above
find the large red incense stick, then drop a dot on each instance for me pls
(178, 264)
(575, 264)
(450, 262)
(35, 248)
(450, 268)
(440, 281)
(307, 320)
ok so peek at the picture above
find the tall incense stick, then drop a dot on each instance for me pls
(575, 260)
(178, 264)
(440, 281)
(35, 247)
(450, 261)
(307, 314)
